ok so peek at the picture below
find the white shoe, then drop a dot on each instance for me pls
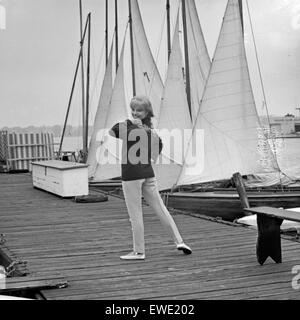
(186, 249)
(133, 256)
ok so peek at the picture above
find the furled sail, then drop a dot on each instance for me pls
(147, 77)
(227, 114)
(108, 153)
(199, 60)
(174, 118)
(101, 115)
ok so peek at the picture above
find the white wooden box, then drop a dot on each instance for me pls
(64, 178)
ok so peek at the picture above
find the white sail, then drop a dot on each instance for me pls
(148, 82)
(147, 78)
(173, 118)
(227, 113)
(101, 115)
(108, 154)
(199, 61)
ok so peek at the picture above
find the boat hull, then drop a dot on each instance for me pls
(224, 204)
(228, 206)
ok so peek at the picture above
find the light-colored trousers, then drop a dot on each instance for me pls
(133, 192)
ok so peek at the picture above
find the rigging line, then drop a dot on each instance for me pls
(212, 126)
(145, 76)
(196, 43)
(125, 80)
(79, 143)
(123, 45)
(98, 70)
(107, 114)
(225, 134)
(157, 53)
(159, 46)
(263, 88)
(93, 67)
(140, 63)
(171, 159)
(73, 86)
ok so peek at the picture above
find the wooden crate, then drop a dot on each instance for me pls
(63, 178)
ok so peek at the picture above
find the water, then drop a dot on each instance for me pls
(69, 144)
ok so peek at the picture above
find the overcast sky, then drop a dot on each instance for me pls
(40, 44)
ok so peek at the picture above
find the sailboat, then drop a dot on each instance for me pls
(232, 134)
(178, 108)
(173, 107)
(104, 151)
(220, 102)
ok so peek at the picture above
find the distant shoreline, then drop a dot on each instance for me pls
(288, 137)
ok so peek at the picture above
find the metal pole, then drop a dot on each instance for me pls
(187, 67)
(106, 31)
(132, 50)
(241, 13)
(85, 150)
(82, 73)
(72, 90)
(168, 29)
(69, 105)
(116, 32)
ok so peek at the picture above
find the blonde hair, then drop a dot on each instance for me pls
(143, 101)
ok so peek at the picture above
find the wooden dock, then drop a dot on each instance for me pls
(82, 243)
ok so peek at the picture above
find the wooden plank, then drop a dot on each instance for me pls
(32, 283)
(276, 213)
(60, 165)
(83, 242)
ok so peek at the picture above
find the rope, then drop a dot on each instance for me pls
(97, 71)
(123, 44)
(140, 63)
(196, 45)
(263, 91)
(158, 50)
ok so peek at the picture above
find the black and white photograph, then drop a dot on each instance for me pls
(149, 153)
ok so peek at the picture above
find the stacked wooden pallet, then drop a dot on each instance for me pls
(18, 150)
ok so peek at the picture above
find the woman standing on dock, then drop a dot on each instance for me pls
(140, 145)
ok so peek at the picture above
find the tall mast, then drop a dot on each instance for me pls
(187, 67)
(85, 148)
(116, 33)
(132, 50)
(69, 107)
(106, 32)
(169, 28)
(72, 90)
(241, 13)
(82, 74)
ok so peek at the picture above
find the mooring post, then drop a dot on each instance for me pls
(238, 181)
